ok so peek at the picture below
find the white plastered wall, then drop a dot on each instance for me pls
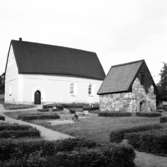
(11, 79)
(57, 89)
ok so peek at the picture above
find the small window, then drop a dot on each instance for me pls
(90, 90)
(72, 89)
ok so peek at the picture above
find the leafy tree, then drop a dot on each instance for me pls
(162, 85)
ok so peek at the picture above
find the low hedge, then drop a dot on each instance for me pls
(163, 119)
(72, 153)
(19, 133)
(2, 118)
(15, 127)
(91, 107)
(8, 147)
(28, 117)
(122, 156)
(153, 141)
(114, 114)
(148, 114)
(118, 135)
(17, 106)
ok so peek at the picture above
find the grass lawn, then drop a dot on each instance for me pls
(98, 128)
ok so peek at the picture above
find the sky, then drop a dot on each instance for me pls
(118, 31)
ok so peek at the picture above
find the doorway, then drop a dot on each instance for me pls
(37, 97)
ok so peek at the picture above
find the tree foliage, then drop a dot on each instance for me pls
(162, 85)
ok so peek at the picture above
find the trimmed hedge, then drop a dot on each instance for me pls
(15, 127)
(19, 133)
(122, 156)
(91, 107)
(8, 147)
(2, 118)
(28, 117)
(154, 141)
(118, 135)
(114, 114)
(73, 154)
(148, 114)
(163, 119)
(16, 106)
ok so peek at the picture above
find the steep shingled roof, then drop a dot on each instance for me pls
(36, 58)
(120, 77)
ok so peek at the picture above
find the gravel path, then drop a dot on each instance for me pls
(46, 133)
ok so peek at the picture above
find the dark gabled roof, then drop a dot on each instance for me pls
(120, 77)
(36, 58)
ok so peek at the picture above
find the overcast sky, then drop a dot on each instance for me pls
(117, 30)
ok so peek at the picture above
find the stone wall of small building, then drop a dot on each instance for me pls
(139, 100)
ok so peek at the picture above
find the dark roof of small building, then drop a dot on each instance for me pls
(120, 77)
(37, 58)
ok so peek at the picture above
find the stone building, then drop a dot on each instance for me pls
(128, 87)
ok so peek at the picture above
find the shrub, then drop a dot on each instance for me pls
(148, 114)
(2, 118)
(28, 117)
(163, 119)
(118, 155)
(114, 114)
(19, 133)
(118, 135)
(153, 141)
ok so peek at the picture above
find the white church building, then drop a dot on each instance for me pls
(39, 73)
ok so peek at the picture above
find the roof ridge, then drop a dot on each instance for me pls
(51, 45)
(132, 62)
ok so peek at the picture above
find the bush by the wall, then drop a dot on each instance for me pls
(114, 114)
(118, 135)
(2, 118)
(28, 117)
(163, 119)
(148, 114)
(153, 141)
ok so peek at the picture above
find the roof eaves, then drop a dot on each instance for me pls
(116, 92)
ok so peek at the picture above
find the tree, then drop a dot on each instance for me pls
(162, 85)
(2, 83)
